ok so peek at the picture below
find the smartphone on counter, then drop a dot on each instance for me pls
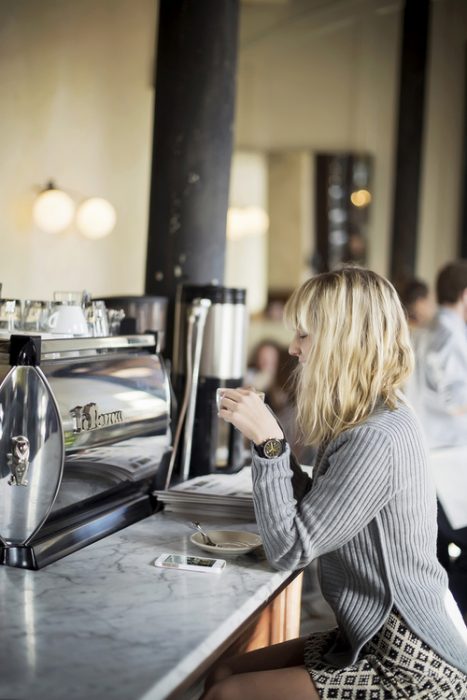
(190, 563)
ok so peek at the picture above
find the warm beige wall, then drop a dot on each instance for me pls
(289, 208)
(440, 204)
(246, 249)
(76, 102)
(328, 81)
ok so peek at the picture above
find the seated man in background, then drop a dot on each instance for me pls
(438, 392)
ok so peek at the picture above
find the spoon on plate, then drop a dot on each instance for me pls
(207, 539)
(210, 542)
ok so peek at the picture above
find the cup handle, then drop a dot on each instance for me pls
(52, 320)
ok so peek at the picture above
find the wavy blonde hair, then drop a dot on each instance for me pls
(360, 349)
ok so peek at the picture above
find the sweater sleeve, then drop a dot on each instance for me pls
(354, 488)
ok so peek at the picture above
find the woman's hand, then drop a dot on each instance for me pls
(247, 412)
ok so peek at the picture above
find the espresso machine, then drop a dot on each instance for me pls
(85, 438)
(209, 353)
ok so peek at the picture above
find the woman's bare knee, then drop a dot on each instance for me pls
(218, 674)
(280, 684)
(224, 689)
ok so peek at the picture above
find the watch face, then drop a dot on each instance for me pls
(273, 448)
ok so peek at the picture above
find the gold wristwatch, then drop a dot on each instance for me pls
(271, 448)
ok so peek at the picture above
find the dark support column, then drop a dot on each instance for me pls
(463, 231)
(192, 145)
(409, 139)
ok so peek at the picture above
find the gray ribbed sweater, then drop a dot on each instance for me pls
(369, 514)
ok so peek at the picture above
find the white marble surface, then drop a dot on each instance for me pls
(105, 623)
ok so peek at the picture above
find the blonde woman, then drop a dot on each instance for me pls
(368, 515)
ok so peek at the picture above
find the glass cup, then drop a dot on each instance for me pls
(35, 314)
(97, 318)
(69, 297)
(115, 317)
(10, 315)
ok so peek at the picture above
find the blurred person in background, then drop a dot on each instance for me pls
(263, 364)
(437, 390)
(270, 369)
(418, 302)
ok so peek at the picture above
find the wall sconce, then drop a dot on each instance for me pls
(53, 210)
(95, 218)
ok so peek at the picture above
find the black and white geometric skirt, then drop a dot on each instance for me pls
(395, 663)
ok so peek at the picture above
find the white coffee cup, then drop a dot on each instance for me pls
(68, 319)
(220, 393)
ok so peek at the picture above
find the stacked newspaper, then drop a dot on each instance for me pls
(214, 494)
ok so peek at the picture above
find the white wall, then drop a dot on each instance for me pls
(76, 105)
(327, 80)
(289, 239)
(76, 102)
(246, 250)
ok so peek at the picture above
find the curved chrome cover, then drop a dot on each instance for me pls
(32, 453)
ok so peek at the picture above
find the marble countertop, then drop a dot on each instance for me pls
(104, 623)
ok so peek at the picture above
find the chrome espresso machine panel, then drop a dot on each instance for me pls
(84, 439)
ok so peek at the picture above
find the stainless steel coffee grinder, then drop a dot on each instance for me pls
(209, 353)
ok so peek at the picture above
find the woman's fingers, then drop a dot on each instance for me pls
(238, 395)
(245, 409)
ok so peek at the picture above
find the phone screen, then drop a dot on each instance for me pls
(191, 561)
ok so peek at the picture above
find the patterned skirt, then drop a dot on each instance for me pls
(395, 663)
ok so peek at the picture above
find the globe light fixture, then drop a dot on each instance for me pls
(95, 218)
(360, 198)
(53, 210)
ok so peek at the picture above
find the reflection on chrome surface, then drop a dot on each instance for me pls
(28, 409)
(101, 469)
(18, 461)
(86, 390)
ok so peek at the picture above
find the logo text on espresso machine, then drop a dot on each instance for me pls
(88, 417)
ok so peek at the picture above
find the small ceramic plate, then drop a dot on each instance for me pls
(230, 543)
